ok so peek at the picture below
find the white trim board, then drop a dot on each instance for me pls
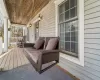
(79, 60)
(3, 9)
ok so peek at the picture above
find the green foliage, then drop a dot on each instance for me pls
(2, 32)
(16, 32)
(9, 29)
(1, 69)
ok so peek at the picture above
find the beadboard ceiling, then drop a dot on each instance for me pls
(22, 11)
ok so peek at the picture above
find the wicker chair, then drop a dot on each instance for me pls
(43, 55)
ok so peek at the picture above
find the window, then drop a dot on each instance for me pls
(68, 27)
(69, 22)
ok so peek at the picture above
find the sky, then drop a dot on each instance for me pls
(1, 20)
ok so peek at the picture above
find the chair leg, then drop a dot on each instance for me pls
(39, 69)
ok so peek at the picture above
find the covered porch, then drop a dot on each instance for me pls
(75, 22)
(38, 18)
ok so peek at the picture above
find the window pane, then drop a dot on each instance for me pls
(67, 36)
(74, 47)
(62, 45)
(67, 5)
(67, 46)
(61, 18)
(74, 36)
(72, 28)
(76, 11)
(62, 28)
(66, 15)
(74, 25)
(72, 12)
(67, 27)
(62, 37)
(61, 8)
(72, 3)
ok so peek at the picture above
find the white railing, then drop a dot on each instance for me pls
(15, 39)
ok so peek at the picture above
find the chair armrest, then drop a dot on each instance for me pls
(28, 44)
(48, 56)
(50, 51)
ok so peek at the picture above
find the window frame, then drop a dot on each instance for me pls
(69, 20)
(80, 14)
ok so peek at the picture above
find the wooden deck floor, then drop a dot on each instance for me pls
(13, 59)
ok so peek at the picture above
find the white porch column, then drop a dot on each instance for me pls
(9, 26)
(5, 34)
(23, 31)
(8, 38)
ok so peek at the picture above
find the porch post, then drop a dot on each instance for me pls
(5, 34)
(8, 38)
(8, 33)
(23, 31)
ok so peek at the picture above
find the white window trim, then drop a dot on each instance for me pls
(80, 60)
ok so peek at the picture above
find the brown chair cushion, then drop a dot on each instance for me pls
(35, 55)
(52, 44)
(39, 43)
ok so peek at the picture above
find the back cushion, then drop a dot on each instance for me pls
(52, 44)
(39, 43)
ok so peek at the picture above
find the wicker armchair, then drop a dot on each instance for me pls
(42, 56)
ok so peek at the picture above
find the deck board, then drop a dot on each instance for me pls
(18, 59)
(7, 62)
(3, 61)
(15, 58)
(11, 61)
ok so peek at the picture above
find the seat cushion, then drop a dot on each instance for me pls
(39, 43)
(33, 53)
(52, 44)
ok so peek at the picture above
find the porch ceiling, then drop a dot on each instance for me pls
(22, 11)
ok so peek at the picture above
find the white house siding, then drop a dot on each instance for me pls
(91, 70)
(47, 24)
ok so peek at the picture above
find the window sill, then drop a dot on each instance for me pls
(72, 59)
(69, 53)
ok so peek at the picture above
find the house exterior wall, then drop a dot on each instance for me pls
(91, 69)
(47, 24)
